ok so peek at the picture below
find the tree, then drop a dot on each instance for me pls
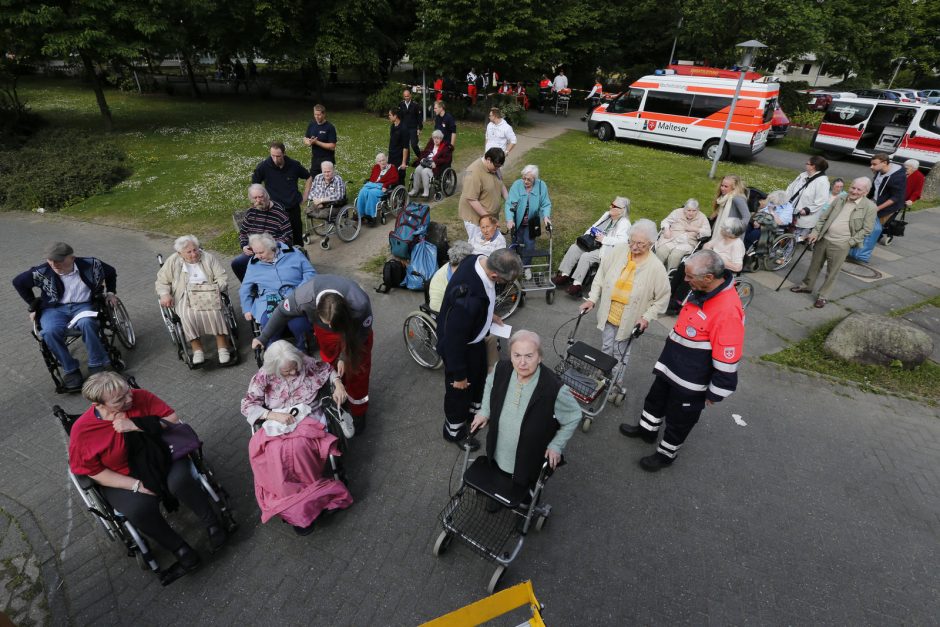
(93, 31)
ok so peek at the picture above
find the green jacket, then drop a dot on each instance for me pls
(861, 223)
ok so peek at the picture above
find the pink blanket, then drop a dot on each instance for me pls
(289, 473)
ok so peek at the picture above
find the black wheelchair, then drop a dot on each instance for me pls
(391, 202)
(114, 325)
(443, 185)
(184, 350)
(420, 333)
(335, 217)
(118, 529)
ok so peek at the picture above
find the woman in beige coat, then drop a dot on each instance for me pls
(191, 270)
(630, 289)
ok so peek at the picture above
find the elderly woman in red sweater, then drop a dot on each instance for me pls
(383, 177)
(915, 182)
(432, 161)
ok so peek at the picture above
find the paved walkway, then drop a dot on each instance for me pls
(819, 503)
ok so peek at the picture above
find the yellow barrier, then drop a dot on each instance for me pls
(492, 607)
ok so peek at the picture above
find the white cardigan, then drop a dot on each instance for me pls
(617, 236)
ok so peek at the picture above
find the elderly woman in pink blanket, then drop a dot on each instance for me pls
(290, 452)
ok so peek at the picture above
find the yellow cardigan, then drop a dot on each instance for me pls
(648, 299)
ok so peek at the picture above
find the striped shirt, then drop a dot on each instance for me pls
(273, 220)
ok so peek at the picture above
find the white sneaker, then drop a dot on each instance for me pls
(346, 423)
(224, 356)
(199, 357)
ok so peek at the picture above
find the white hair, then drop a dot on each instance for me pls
(645, 227)
(380, 156)
(526, 336)
(278, 355)
(691, 203)
(732, 227)
(265, 239)
(776, 198)
(258, 187)
(531, 169)
(324, 164)
(437, 133)
(183, 240)
(912, 163)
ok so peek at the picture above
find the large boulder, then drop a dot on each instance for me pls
(869, 339)
(932, 184)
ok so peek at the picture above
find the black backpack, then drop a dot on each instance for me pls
(393, 273)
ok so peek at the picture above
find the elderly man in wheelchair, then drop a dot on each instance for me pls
(76, 300)
(327, 210)
(130, 456)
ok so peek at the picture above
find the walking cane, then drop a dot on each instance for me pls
(792, 268)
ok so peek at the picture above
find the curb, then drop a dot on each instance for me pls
(52, 579)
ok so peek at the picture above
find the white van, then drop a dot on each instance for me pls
(863, 126)
(690, 112)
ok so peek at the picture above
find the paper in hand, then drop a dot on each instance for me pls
(501, 330)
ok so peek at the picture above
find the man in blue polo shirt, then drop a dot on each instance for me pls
(279, 174)
(321, 137)
(445, 123)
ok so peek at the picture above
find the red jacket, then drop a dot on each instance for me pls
(915, 185)
(388, 179)
(705, 347)
(441, 160)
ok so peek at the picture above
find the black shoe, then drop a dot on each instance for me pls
(187, 558)
(73, 380)
(655, 462)
(468, 443)
(305, 531)
(636, 431)
(217, 537)
(96, 369)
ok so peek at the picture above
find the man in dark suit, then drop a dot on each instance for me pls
(410, 113)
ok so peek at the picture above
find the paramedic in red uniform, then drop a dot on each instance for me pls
(698, 365)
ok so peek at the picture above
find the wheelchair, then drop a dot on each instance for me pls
(118, 529)
(420, 333)
(114, 325)
(335, 217)
(333, 426)
(391, 202)
(443, 185)
(774, 255)
(184, 350)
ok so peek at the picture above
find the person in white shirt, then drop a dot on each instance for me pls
(486, 238)
(498, 133)
(809, 194)
(560, 82)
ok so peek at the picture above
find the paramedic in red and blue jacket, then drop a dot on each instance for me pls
(699, 363)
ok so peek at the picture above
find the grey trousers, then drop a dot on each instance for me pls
(834, 256)
(616, 348)
(576, 263)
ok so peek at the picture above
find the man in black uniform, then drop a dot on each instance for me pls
(410, 114)
(321, 137)
(397, 144)
(279, 174)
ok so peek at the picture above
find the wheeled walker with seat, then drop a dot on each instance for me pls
(184, 350)
(119, 529)
(335, 217)
(592, 374)
(114, 325)
(492, 515)
(537, 274)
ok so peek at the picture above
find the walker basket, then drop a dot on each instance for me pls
(488, 533)
(586, 370)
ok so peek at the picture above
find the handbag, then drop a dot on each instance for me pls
(587, 242)
(180, 439)
(204, 297)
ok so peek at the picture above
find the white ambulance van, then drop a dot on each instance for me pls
(862, 126)
(690, 112)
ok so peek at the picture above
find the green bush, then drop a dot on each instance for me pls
(790, 101)
(513, 112)
(806, 119)
(384, 99)
(58, 167)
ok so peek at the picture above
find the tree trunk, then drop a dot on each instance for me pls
(317, 79)
(99, 92)
(191, 75)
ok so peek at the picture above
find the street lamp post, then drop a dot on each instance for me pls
(901, 61)
(749, 48)
(675, 41)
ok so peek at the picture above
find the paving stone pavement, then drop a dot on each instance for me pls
(824, 508)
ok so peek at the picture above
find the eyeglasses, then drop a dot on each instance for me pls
(630, 242)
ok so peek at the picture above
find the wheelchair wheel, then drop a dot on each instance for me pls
(348, 224)
(449, 182)
(397, 200)
(175, 328)
(121, 323)
(228, 312)
(745, 290)
(508, 298)
(781, 253)
(320, 227)
(420, 332)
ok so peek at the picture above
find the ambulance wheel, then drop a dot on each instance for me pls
(586, 424)
(605, 132)
(710, 149)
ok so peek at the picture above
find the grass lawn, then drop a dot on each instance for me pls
(192, 159)
(583, 175)
(923, 381)
(793, 142)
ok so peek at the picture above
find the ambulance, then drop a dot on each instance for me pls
(690, 110)
(863, 126)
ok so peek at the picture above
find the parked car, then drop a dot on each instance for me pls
(907, 95)
(820, 99)
(930, 96)
(878, 94)
(779, 124)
